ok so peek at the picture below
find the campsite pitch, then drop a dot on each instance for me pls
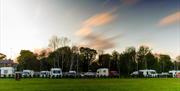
(35, 84)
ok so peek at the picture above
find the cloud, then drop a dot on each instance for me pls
(99, 19)
(94, 40)
(84, 31)
(99, 42)
(42, 51)
(129, 2)
(171, 19)
(95, 21)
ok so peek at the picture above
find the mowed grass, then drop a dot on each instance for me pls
(35, 84)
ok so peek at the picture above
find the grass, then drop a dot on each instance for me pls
(35, 84)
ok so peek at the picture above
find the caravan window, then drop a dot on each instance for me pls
(104, 71)
(5, 71)
(153, 72)
(56, 71)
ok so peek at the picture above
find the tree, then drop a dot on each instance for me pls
(55, 43)
(105, 61)
(87, 56)
(115, 61)
(27, 60)
(127, 61)
(74, 58)
(141, 55)
(2, 56)
(165, 63)
(152, 61)
(64, 41)
(178, 62)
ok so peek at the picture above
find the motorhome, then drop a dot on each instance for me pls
(145, 73)
(27, 73)
(7, 71)
(173, 72)
(55, 73)
(102, 72)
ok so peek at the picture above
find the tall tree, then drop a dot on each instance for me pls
(27, 60)
(178, 62)
(127, 61)
(165, 63)
(2, 56)
(115, 61)
(88, 55)
(54, 42)
(141, 55)
(105, 61)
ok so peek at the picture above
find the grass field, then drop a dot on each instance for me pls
(34, 84)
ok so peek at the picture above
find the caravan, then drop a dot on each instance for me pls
(55, 73)
(7, 71)
(145, 73)
(102, 72)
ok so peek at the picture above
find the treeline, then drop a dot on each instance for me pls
(85, 59)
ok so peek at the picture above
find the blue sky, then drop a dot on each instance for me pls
(101, 24)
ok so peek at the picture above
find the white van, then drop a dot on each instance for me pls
(7, 71)
(56, 73)
(145, 73)
(27, 73)
(102, 72)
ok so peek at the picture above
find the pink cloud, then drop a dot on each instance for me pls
(171, 19)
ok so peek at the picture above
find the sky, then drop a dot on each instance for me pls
(101, 24)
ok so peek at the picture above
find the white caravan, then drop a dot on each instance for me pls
(7, 71)
(145, 73)
(173, 72)
(102, 72)
(56, 73)
(27, 73)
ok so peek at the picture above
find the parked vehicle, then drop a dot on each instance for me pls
(71, 74)
(164, 74)
(173, 72)
(135, 74)
(56, 73)
(102, 72)
(114, 74)
(44, 74)
(36, 74)
(27, 73)
(178, 74)
(90, 74)
(144, 73)
(7, 71)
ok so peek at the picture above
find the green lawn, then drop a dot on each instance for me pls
(156, 84)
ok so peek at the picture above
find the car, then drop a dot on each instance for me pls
(36, 74)
(90, 74)
(44, 74)
(27, 73)
(71, 74)
(113, 74)
(164, 74)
